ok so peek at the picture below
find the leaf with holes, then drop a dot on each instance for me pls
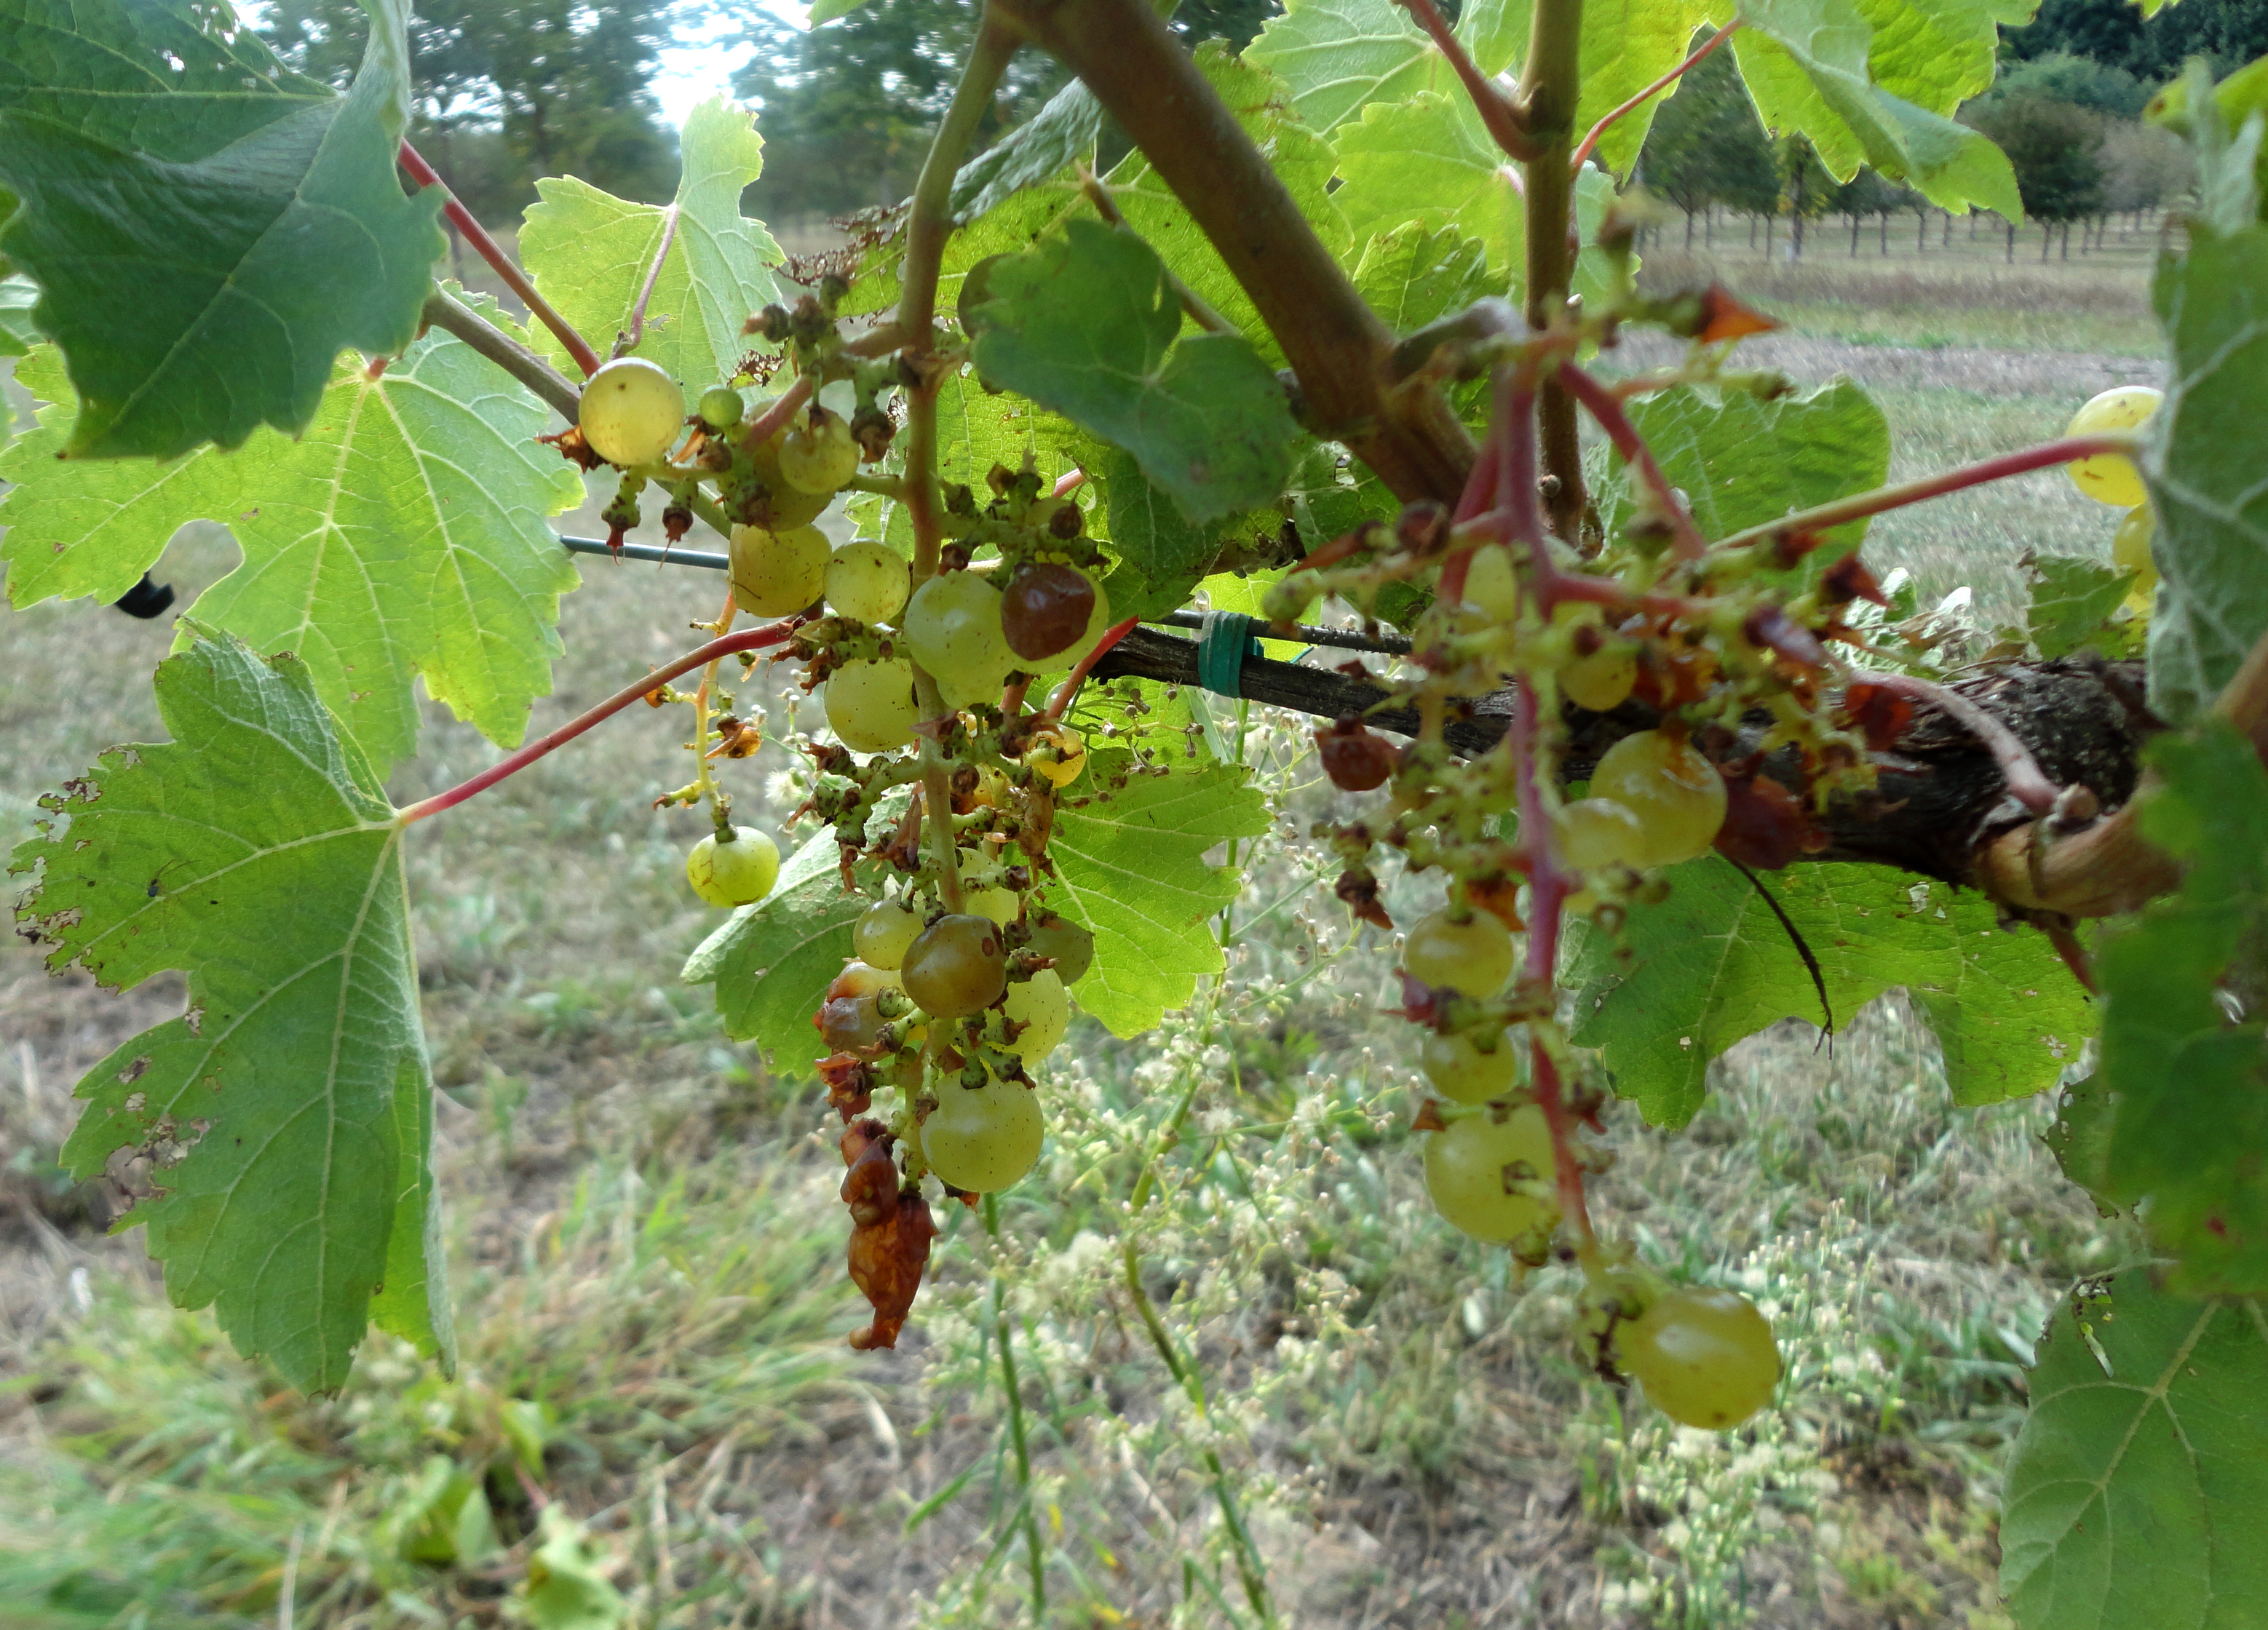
(1712, 964)
(279, 1130)
(2138, 1486)
(403, 537)
(1131, 867)
(701, 265)
(207, 228)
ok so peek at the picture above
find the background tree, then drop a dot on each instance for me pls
(511, 89)
(2082, 81)
(847, 110)
(2056, 151)
(1707, 148)
(2115, 33)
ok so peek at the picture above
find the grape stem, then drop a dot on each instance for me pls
(489, 250)
(1548, 887)
(1686, 542)
(453, 316)
(746, 640)
(2027, 781)
(1897, 496)
(1591, 140)
(1504, 117)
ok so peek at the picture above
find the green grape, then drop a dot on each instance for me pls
(1003, 905)
(720, 407)
(1466, 1172)
(1706, 1357)
(785, 505)
(2109, 477)
(952, 625)
(983, 1139)
(1677, 794)
(1098, 624)
(870, 705)
(1595, 833)
(1474, 956)
(884, 932)
(868, 582)
(1463, 1074)
(777, 573)
(956, 966)
(1604, 678)
(1490, 584)
(738, 872)
(1064, 944)
(631, 411)
(1042, 1007)
(2130, 551)
(819, 458)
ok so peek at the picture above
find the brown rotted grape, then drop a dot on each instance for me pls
(1045, 609)
(1355, 757)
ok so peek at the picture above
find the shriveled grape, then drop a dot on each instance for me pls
(1057, 755)
(737, 872)
(777, 573)
(868, 582)
(870, 705)
(1472, 955)
(956, 966)
(1355, 757)
(1674, 791)
(631, 411)
(1706, 1357)
(1467, 1169)
(1045, 609)
(983, 1139)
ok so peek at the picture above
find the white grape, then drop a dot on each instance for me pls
(870, 705)
(631, 412)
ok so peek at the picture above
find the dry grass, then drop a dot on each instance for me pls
(644, 1238)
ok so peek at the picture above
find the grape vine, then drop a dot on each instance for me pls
(1643, 679)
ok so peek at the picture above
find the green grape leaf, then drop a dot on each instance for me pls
(1742, 462)
(1085, 324)
(2139, 1485)
(208, 229)
(1160, 556)
(1710, 964)
(2202, 468)
(285, 1118)
(1063, 131)
(1936, 53)
(771, 962)
(18, 294)
(403, 536)
(1413, 276)
(1806, 65)
(829, 11)
(1430, 160)
(2074, 603)
(1628, 45)
(2188, 1084)
(1302, 162)
(1334, 56)
(1131, 867)
(590, 253)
